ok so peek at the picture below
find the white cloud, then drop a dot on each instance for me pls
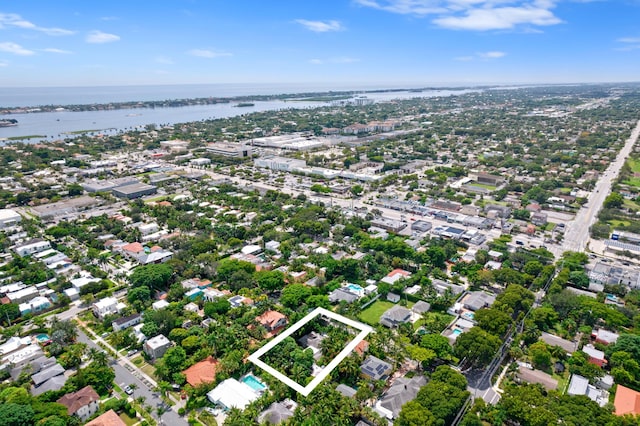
(320, 26)
(628, 43)
(206, 53)
(334, 60)
(8, 20)
(629, 40)
(164, 60)
(4, 64)
(98, 37)
(54, 50)
(406, 7)
(500, 18)
(15, 48)
(474, 15)
(491, 55)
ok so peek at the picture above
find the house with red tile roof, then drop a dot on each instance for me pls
(110, 418)
(201, 372)
(272, 321)
(627, 401)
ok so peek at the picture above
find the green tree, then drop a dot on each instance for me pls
(415, 414)
(540, 355)
(270, 280)
(217, 307)
(476, 346)
(437, 343)
(154, 276)
(16, 415)
(294, 295)
(613, 201)
(494, 321)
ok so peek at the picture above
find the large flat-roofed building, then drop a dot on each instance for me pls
(65, 207)
(174, 146)
(279, 163)
(234, 150)
(32, 247)
(106, 185)
(135, 190)
(292, 142)
(9, 218)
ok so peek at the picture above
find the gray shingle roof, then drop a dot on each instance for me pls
(375, 367)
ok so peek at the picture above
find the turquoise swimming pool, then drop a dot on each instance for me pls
(355, 288)
(456, 332)
(254, 383)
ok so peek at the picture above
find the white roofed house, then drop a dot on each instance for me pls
(231, 393)
(32, 247)
(104, 307)
(9, 218)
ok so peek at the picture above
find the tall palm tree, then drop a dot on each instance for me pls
(133, 387)
(99, 357)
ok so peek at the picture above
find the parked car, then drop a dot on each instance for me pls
(128, 390)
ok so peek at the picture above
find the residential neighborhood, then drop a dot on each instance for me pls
(451, 246)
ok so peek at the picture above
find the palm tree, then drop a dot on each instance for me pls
(140, 401)
(99, 357)
(163, 387)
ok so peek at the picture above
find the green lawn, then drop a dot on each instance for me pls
(128, 420)
(372, 314)
(617, 223)
(632, 181)
(149, 370)
(634, 164)
(483, 185)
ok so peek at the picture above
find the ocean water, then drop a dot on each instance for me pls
(58, 125)
(36, 96)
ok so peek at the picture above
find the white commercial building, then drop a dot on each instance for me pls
(9, 218)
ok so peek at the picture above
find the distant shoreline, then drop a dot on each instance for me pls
(326, 96)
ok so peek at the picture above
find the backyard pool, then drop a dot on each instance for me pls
(355, 288)
(254, 383)
(468, 315)
(43, 338)
(456, 332)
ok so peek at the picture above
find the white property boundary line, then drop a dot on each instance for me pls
(255, 357)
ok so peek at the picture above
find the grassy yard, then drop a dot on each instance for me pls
(617, 223)
(634, 164)
(149, 370)
(632, 181)
(128, 420)
(138, 360)
(372, 314)
(436, 322)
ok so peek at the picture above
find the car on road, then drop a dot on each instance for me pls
(127, 389)
(132, 352)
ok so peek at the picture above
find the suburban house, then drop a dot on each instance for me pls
(395, 275)
(596, 356)
(604, 337)
(627, 401)
(277, 413)
(477, 300)
(340, 294)
(552, 340)
(106, 306)
(272, 321)
(83, 403)
(51, 378)
(580, 386)
(375, 368)
(110, 418)
(231, 393)
(126, 322)
(201, 372)
(395, 316)
(156, 346)
(402, 391)
(32, 247)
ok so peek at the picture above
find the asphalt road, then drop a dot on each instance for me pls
(125, 377)
(577, 233)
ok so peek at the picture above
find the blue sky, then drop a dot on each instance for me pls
(85, 43)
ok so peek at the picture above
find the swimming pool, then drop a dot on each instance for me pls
(354, 287)
(43, 338)
(456, 332)
(468, 315)
(254, 383)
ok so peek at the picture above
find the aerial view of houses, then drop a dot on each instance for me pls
(166, 275)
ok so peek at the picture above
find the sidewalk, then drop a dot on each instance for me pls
(126, 363)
